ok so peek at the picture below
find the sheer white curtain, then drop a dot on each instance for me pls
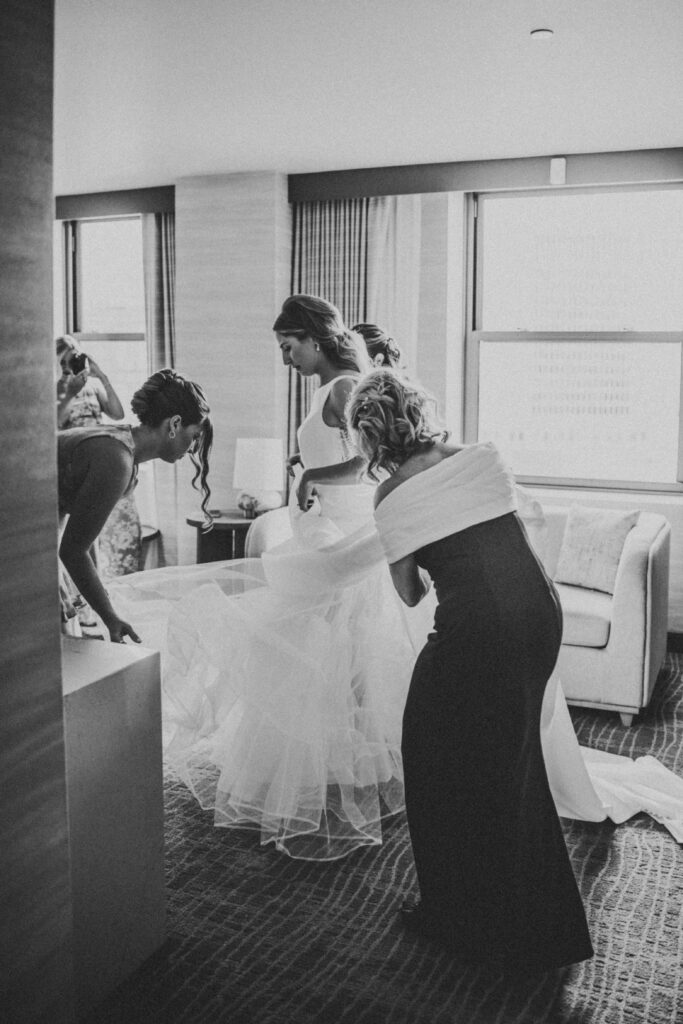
(393, 269)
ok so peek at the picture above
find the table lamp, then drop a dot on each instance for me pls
(258, 475)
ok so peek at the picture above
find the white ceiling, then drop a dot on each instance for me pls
(147, 91)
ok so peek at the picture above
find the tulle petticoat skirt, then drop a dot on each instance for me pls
(283, 685)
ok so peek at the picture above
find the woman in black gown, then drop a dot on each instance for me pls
(495, 879)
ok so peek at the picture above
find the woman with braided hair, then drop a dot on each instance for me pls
(98, 464)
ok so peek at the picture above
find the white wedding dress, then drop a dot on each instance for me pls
(284, 677)
(284, 680)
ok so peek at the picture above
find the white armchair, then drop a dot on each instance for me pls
(613, 645)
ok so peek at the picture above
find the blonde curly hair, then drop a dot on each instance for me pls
(391, 419)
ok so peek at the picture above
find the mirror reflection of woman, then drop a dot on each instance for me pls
(84, 392)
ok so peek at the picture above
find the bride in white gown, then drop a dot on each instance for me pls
(284, 677)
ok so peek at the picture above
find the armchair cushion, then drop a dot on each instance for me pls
(586, 616)
(591, 547)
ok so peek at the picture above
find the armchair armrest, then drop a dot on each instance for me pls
(637, 640)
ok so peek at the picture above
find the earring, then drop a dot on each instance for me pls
(171, 433)
(317, 347)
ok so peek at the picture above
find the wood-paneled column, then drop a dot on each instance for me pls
(233, 253)
(35, 896)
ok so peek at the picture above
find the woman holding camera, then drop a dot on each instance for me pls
(84, 392)
(84, 395)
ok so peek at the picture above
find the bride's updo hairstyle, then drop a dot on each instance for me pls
(308, 316)
(167, 393)
(391, 419)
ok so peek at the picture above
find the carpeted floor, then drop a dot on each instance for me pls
(256, 938)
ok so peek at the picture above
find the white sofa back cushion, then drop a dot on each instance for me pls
(591, 547)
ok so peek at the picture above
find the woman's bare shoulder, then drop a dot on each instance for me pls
(104, 453)
(416, 464)
(335, 403)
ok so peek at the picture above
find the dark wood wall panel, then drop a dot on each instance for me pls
(116, 204)
(35, 928)
(646, 165)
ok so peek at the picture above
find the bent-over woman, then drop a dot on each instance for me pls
(495, 879)
(97, 465)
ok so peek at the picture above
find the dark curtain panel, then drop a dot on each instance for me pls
(158, 244)
(329, 259)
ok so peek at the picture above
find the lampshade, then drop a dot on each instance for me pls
(259, 464)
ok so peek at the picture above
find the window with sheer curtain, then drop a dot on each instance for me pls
(574, 354)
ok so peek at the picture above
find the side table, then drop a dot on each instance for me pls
(227, 538)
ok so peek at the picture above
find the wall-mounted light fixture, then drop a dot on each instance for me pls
(558, 170)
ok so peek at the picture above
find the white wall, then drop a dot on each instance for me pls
(148, 92)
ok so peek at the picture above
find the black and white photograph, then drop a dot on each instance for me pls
(341, 512)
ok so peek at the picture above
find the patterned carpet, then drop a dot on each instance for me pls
(256, 938)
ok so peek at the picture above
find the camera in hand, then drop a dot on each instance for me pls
(78, 362)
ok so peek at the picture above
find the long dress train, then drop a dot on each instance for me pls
(284, 680)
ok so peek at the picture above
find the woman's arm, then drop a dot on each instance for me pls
(106, 468)
(68, 386)
(348, 472)
(334, 410)
(411, 582)
(110, 403)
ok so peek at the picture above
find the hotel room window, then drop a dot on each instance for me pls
(574, 359)
(105, 301)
